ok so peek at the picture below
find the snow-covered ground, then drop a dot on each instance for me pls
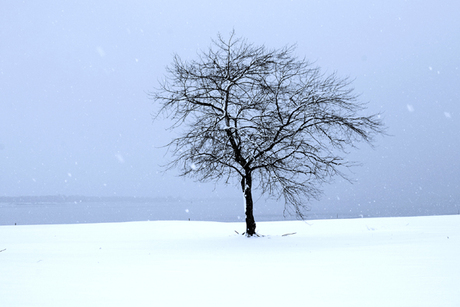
(406, 261)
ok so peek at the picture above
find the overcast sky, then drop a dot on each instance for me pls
(75, 118)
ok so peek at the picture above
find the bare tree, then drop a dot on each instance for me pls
(261, 116)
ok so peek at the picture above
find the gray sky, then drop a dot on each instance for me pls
(75, 118)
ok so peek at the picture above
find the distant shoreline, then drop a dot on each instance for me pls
(85, 199)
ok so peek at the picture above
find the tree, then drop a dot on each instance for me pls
(261, 116)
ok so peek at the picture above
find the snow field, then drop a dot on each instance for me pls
(406, 261)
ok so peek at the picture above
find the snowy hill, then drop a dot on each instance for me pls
(406, 261)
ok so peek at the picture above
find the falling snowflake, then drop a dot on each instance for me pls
(100, 51)
(119, 158)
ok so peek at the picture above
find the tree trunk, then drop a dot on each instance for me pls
(246, 184)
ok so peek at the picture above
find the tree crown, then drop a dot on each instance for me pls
(250, 110)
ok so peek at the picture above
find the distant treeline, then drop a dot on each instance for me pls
(77, 199)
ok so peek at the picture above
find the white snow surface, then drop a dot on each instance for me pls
(405, 261)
